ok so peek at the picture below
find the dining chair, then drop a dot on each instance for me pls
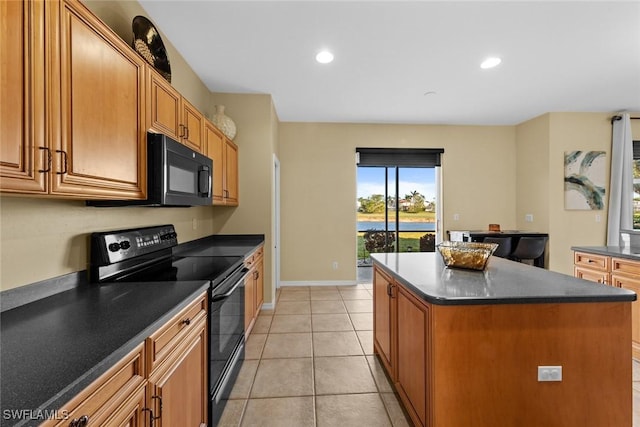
(529, 248)
(504, 245)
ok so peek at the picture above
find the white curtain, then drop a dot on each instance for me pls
(621, 186)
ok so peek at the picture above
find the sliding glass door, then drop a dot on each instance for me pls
(397, 210)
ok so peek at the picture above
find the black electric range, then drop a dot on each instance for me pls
(147, 255)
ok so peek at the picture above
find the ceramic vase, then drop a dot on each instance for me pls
(224, 122)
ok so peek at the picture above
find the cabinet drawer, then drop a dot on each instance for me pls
(625, 266)
(253, 257)
(592, 261)
(105, 395)
(592, 275)
(165, 340)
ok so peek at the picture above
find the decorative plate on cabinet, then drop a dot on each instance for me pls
(148, 44)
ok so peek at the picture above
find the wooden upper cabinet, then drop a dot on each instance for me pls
(97, 108)
(224, 154)
(89, 87)
(164, 106)
(171, 114)
(23, 149)
(193, 126)
(231, 173)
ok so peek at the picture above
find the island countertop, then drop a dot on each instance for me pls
(502, 282)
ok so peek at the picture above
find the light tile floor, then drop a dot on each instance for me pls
(310, 363)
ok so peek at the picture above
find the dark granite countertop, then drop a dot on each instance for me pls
(502, 282)
(221, 245)
(613, 251)
(55, 347)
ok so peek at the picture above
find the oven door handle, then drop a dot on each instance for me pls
(240, 281)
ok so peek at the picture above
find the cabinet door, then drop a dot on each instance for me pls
(383, 319)
(193, 122)
(23, 149)
(633, 284)
(97, 109)
(132, 413)
(163, 107)
(259, 285)
(412, 356)
(178, 394)
(249, 301)
(215, 150)
(231, 173)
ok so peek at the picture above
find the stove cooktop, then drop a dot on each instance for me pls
(185, 269)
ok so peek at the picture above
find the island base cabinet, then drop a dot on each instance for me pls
(486, 358)
(412, 355)
(384, 318)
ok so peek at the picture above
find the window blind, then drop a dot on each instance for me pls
(407, 157)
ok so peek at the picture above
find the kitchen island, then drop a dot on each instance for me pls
(512, 345)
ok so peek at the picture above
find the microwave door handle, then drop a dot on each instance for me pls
(204, 181)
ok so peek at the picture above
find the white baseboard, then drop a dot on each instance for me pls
(267, 306)
(318, 283)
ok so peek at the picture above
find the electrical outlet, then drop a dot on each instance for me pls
(335, 265)
(194, 223)
(549, 373)
(456, 217)
(528, 217)
(598, 218)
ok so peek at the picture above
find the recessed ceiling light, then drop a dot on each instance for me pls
(324, 57)
(490, 62)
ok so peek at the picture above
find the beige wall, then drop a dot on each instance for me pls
(256, 138)
(319, 187)
(541, 143)
(44, 238)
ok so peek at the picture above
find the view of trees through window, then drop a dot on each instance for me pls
(396, 209)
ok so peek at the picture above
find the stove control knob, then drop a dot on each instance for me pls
(114, 247)
(125, 244)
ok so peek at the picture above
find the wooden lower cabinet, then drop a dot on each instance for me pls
(249, 297)
(131, 413)
(111, 400)
(618, 272)
(384, 319)
(254, 288)
(177, 390)
(412, 355)
(162, 382)
(633, 284)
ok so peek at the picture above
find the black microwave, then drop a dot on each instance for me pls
(176, 176)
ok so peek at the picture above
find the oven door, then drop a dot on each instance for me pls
(226, 326)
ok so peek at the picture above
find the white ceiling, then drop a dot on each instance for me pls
(556, 56)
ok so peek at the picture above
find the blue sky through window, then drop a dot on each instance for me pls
(422, 180)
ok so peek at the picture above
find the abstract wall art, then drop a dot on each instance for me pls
(584, 180)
